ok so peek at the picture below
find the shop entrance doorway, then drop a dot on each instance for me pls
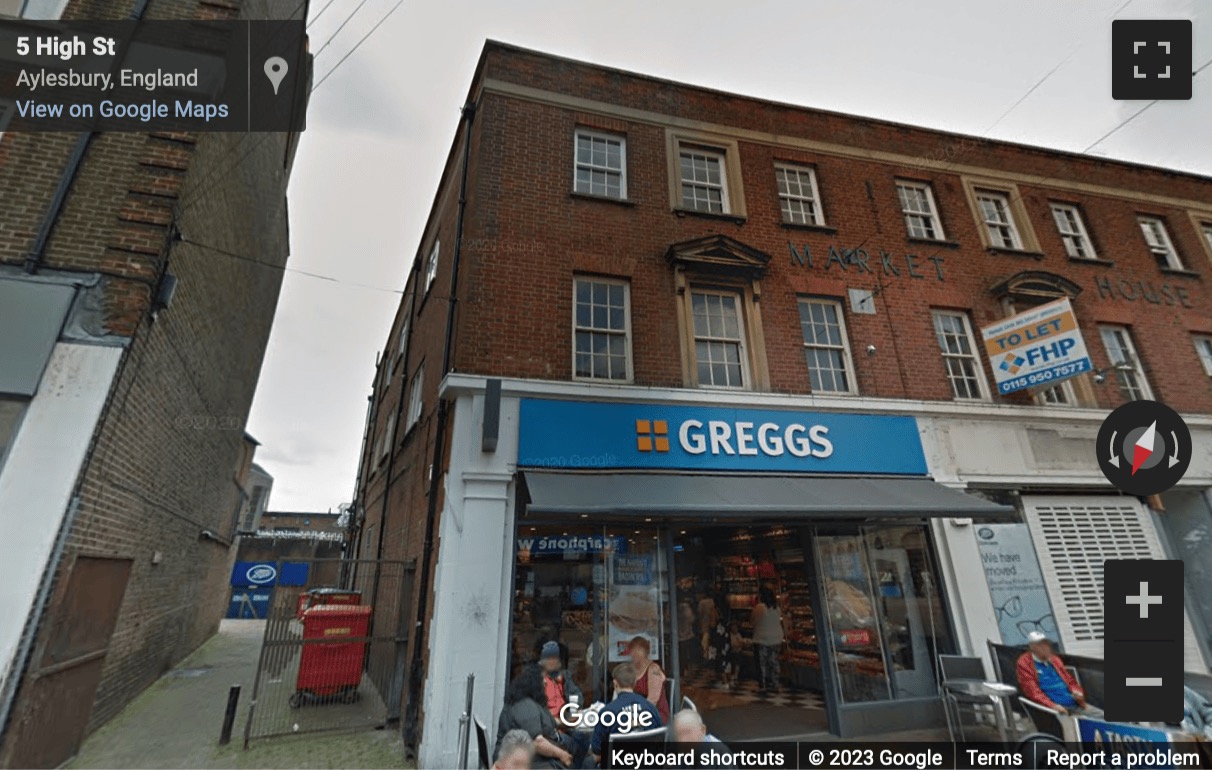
(785, 630)
(748, 637)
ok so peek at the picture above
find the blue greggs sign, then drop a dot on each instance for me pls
(584, 435)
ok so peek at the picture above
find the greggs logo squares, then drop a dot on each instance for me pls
(652, 434)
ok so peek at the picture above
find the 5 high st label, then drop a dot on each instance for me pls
(164, 75)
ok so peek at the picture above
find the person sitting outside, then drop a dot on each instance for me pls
(688, 727)
(515, 752)
(625, 699)
(650, 679)
(557, 681)
(1043, 678)
(526, 710)
(562, 690)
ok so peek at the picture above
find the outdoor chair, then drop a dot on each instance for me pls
(961, 668)
(1046, 720)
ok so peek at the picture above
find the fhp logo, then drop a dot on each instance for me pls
(652, 434)
(1012, 362)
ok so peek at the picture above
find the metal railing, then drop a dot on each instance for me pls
(334, 669)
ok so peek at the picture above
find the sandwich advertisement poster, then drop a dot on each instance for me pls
(634, 608)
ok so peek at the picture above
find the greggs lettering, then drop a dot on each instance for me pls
(746, 438)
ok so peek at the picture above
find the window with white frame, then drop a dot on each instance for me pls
(1072, 229)
(1158, 240)
(799, 199)
(1206, 228)
(384, 372)
(963, 366)
(999, 222)
(719, 339)
(415, 397)
(601, 330)
(703, 179)
(601, 165)
(826, 347)
(1121, 352)
(1203, 346)
(1057, 395)
(402, 344)
(431, 264)
(386, 436)
(921, 213)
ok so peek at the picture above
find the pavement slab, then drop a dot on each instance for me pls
(175, 723)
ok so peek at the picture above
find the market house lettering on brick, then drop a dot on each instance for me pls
(860, 260)
(1136, 290)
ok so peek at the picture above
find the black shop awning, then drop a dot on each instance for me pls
(747, 497)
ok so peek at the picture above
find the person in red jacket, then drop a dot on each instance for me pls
(1043, 678)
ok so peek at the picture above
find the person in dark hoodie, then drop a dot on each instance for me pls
(526, 710)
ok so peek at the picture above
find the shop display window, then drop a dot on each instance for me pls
(592, 590)
(887, 621)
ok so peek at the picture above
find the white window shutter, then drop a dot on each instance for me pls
(1073, 536)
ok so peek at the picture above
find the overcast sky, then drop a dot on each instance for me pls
(380, 128)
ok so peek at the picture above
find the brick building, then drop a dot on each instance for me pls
(664, 347)
(302, 521)
(122, 403)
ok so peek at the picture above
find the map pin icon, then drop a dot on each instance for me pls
(275, 70)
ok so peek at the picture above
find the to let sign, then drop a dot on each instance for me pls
(1039, 347)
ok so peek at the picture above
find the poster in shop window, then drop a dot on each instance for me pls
(1016, 584)
(634, 607)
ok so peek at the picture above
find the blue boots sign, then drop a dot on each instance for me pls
(253, 585)
(269, 573)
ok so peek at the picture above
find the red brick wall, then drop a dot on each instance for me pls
(529, 236)
(400, 523)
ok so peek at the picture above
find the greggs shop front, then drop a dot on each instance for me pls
(690, 526)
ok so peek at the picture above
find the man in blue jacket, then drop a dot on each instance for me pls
(628, 712)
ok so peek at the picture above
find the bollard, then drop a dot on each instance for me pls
(229, 717)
